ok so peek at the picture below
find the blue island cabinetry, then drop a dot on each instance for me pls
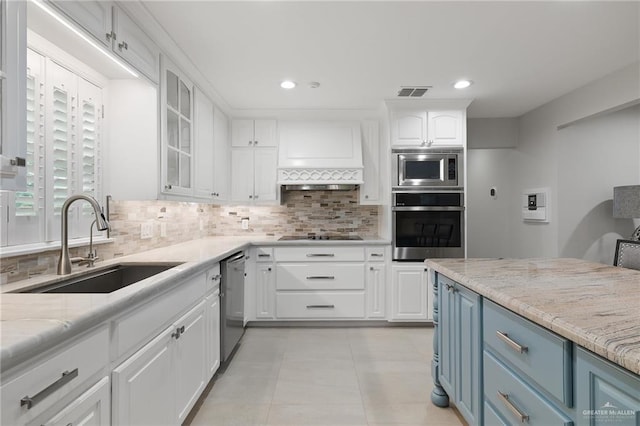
(499, 368)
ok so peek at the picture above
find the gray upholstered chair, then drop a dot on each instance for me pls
(627, 254)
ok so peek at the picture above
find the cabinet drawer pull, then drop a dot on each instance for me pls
(322, 277)
(321, 306)
(377, 255)
(507, 402)
(264, 255)
(67, 376)
(515, 346)
(320, 255)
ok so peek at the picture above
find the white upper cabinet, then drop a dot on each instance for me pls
(115, 29)
(222, 156)
(134, 46)
(428, 128)
(446, 128)
(408, 127)
(93, 16)
(370, 189)
(248, 133)
(204, 145)
(253, 175)
(177, 131)
(254, 161)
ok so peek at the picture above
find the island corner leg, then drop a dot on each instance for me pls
(439, 396)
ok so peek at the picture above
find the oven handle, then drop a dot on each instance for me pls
(428, 209)
(422, 189)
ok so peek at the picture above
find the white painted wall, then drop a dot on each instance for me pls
(580, 146)
(488, 218)
(131, 148)
(598, 154)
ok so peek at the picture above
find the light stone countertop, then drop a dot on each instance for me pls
(594, 305)
(31, 323)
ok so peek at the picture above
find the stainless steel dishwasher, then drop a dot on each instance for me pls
(231, 303)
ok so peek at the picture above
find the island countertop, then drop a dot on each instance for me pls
(596, 306)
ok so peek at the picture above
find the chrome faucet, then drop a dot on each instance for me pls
(64, 264)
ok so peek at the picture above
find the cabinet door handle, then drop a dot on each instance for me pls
(67, 376)
(320, 255)
(123, 45)
(512, 343)
(176, 334)
(250, 142)
(507, 402)
(322, 277)
(321, 306)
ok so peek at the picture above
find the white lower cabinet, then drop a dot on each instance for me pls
(409, 292)
(190, 359)
(161, 382)
(265, 291)
(213, 333)
(52, 387)
(90, 408)
(143, 386)
(376, 289)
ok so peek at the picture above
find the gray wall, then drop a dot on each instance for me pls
(596, 148)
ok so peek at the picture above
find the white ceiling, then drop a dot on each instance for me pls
(520, 55)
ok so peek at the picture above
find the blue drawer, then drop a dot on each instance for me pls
(541, 355)
(491, 416)
(517, 399)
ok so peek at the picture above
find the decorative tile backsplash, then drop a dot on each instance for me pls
(301, 213)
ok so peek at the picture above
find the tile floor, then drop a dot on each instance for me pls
(327, 376)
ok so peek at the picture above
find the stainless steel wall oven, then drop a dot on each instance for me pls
(428, 224)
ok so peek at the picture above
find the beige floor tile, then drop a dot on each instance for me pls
(243, 390)
(417, 414)
(295, 392)
(317, 414)
(228, 414)
(393, 388)
(323, 376)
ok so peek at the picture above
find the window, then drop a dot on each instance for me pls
(64, 114)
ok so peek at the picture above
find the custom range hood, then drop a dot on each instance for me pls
(320, 155)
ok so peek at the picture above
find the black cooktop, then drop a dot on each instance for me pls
(320, 237)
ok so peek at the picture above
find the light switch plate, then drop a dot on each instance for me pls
(146, 230)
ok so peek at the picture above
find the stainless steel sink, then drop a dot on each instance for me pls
(105, 280)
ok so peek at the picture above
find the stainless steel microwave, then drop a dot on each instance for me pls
(415, 167)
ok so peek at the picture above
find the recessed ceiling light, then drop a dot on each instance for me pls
(462, 84)
(288, 84)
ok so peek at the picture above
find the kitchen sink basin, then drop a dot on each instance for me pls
(105, 280)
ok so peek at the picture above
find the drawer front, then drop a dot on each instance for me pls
(516, 401)
(138, 327)
(538, 353)
(324, 304)
(491, 416)
(48, 382)
(320, 276)
(264, 254)
(319, 254)
(375, 254)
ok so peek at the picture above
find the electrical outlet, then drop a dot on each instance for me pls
(146, 230)
(163, 229)
(245, 223)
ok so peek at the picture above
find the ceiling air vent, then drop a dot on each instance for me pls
(412, 92)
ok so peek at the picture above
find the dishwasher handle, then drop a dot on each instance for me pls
(235, 258)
